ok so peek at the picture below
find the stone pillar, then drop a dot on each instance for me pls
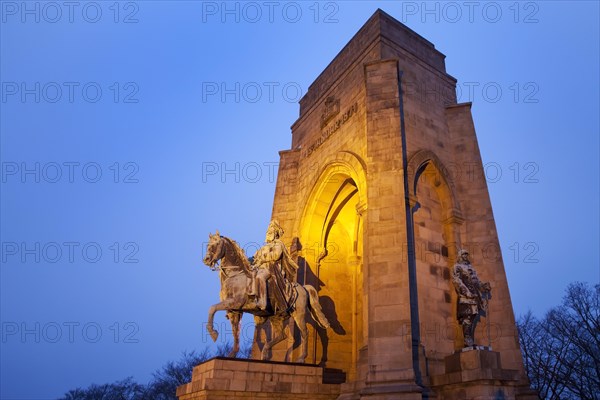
(390, 370)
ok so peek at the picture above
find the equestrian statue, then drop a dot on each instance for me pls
(265, 288)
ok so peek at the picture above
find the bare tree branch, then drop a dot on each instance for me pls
(561, 352)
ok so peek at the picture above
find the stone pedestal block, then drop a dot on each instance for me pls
(473, 359)
(477, 374)
(227, 378)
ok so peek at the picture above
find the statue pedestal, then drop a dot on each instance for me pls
(227, 378)
(477, 373)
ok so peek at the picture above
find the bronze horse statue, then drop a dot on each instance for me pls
(236, 277)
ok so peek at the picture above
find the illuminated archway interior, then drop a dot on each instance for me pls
(332, 262)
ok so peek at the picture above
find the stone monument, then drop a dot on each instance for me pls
(382, 186)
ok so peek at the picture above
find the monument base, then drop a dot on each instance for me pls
(476, 373)
(230, 378)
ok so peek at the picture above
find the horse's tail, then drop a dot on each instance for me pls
(315, 308)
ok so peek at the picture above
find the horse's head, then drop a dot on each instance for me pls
(215, 250)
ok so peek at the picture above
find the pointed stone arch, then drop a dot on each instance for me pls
(345, 163)
(418, 163)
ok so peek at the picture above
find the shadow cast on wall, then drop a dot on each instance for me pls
(307, 276)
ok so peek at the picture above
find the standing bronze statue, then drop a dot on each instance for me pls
(473, 296)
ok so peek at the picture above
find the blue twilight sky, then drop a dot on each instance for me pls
(130, 130)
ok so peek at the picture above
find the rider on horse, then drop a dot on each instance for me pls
(273, 268)
(272, 263)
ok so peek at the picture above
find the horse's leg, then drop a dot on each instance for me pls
(259, 325)
(211, 316)
(290, 348)
(278, 331)
(234, 318)
(299, 316)
(291, 340)
(313, 305)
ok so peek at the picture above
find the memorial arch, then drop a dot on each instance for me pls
(367, 178)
